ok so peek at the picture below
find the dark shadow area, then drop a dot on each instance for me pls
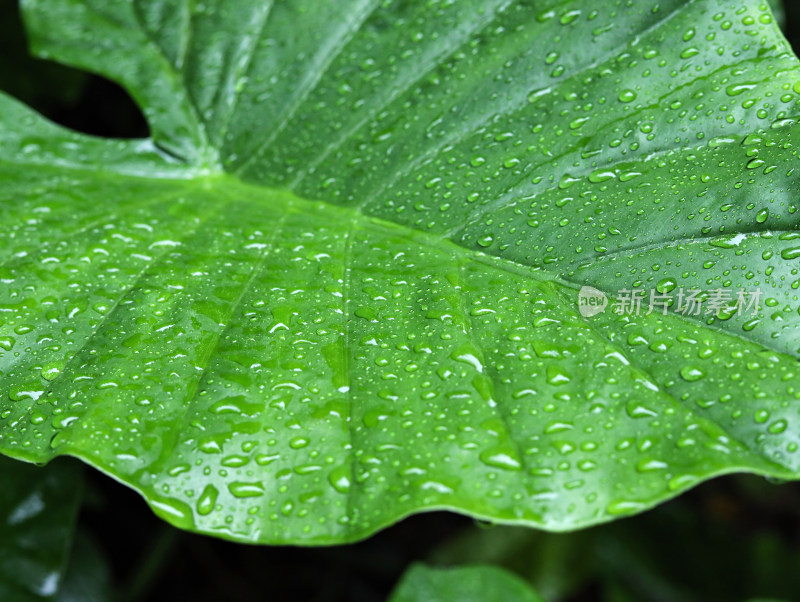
(731, 538)
(791, 29)
(80, 101)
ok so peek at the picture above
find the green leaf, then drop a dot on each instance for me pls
(340, 283)
(478, 583)
(38, 508)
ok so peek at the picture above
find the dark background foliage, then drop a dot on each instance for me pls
(734, 538)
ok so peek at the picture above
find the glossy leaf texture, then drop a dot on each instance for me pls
(339, 285)
(465, 584)
(38, 508)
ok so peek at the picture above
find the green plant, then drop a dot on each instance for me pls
(467, 583)
(340, 283)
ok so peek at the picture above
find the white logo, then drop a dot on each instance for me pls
(591, 301)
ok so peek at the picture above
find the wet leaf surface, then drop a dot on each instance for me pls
(341, 283)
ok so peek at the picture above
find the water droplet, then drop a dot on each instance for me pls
(501, 457)
(339, 478)
(692, 373)
(207, 500)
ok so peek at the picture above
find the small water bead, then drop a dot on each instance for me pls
(502, 457)
(665, 285)
(299, 442)
(691, 373)
(791, 253)
(486, 240)
(339, 478)
(242, 489)
(778, 427)
(207, 500)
